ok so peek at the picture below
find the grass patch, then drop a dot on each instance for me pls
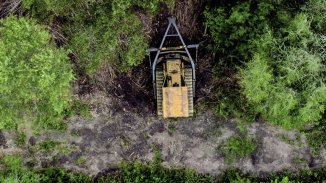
(48, 145)
(75, 133)
(172, 126)
(13, 170)
(152, 172)
(67, 149)
(80, 107)
(20, 139)
(81, 161)
(237, 147)
(316, 140)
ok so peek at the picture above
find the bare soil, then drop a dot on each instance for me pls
(116, 133)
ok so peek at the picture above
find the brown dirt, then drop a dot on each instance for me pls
(119, 134)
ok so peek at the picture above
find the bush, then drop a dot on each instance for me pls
(234, 27)
(118, 40)
(137, 172)
(99, 31)
(48, 145)
(238, 147)
(316, 11)
(14, 171)
(20, 139)
(286, 84)
(35, 76)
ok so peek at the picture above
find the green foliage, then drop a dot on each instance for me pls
(137, 172)
(81, 108)
(285, 80)
(99, 31)
(310, 175)
(316, 11)
(54, 175)
(45, 8)
(47, 145)
(75, 133)
(118, 40)
(13, 172)
(170, 3)
(237, 147)
(35, 76)
(81, 161)
(239, 179)
(316, 140)
(20, 139)
(233, 27)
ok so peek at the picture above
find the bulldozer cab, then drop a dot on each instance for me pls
(173, 74)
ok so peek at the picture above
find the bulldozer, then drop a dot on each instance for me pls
(173, 74)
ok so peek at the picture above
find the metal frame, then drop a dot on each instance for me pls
(161, 50)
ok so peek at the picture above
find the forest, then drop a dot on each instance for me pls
(76, 95)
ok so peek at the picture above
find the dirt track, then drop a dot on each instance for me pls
(116, 134)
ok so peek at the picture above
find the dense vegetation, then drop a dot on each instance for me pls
(97, 32)
(13, 171)
(276, 50)
(35, 75)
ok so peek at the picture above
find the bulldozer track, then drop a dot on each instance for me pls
(159, 84)
(188, 80)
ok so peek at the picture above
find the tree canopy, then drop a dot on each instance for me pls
(35, 75)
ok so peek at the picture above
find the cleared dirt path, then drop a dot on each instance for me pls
(117, 133)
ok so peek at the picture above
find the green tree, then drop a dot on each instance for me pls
(285, 80)
(234, 26)
(35, 76)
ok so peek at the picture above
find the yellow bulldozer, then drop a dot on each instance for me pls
(173, 74)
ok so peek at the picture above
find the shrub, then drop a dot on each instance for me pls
(14, 171)
(47, 145)
(35, 76)
(316, 11)
(20, 139)
(234, 27)
(47, 9)
(118, 40)
(137, 172)
(237, 147)
(99, 31)
(79, 107)
(286, 84)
